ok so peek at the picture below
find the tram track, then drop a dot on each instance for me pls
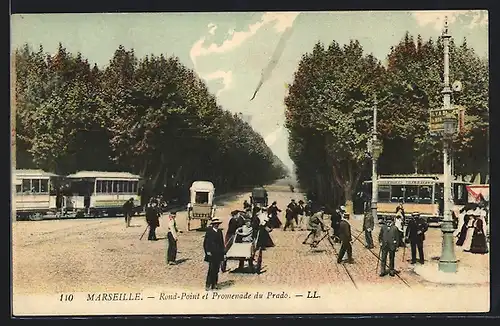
(345, 266)
(377, 256)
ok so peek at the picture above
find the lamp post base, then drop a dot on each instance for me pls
(448, 260)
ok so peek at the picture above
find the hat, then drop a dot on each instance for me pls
(215, 220)
(235, 212)
(301, 201)
(476, 213)
(342, 208)
(415, 214)
(244, 231)
(293, 200)
(274, 203)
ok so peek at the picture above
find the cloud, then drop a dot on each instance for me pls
(282, 20)
(271, 138)
(226, 76)
(437, 18)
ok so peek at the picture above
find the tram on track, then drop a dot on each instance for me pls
(35, 193)
(98, 193)
(421, 193)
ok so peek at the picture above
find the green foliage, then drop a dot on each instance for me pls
(330, 107)
(151, 116)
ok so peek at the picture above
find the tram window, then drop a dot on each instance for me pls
(397, 193)
(134, 186)
(124, 186)
(201, 198)
(35, 186)
(114, 188)
(44, 186)
(425, 195)
(411, 194)
(26, 185)
(384, 194)
(98, 186)
(19, 188)
(109, 185)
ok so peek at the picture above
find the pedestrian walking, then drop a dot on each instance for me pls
(213, 245)
(415, 234)
(234, 223)
(246, 205)
(128, 211)
(274, 221)
(152, 218)
(264, 238)
(478, 243)
(345, 239)
(300, 212)
(294, 209)
(368, 225)
(316, 225)
(463, 229)
(399, 222)
(389, 240)
(288, 219)
(172, 239)
(335, 222)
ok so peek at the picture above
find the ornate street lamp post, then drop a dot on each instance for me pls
(448, 260)
(375, 147)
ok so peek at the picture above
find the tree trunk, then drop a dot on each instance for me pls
(348, 199)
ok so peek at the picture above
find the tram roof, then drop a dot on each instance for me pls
(103, 175)
(202, 185)
(33, 173)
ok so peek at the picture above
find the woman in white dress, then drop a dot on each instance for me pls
(470, 232)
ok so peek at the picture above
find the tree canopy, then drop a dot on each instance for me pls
(151, 116)
(329, 113)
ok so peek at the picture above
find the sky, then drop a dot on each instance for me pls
(230, 51)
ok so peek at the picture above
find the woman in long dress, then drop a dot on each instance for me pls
(468, 236)
(463, 231)
(478, 243)
(264, 241)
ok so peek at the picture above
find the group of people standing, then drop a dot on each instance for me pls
(393, 236)
(472, 232)
(153, 214)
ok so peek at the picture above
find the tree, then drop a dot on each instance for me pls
(405, 117)
(329, 108)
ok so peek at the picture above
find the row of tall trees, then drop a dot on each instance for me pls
(151, 116)
(329, 113)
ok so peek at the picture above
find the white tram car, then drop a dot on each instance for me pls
(98, 193)
(34, 194)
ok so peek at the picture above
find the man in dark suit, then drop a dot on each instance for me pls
(152, 218)
(213, 245)
(415, 234)
(389, 240)
(368, 225)
(345, 239)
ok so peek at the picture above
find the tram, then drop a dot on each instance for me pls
(35, 194)
(421, 193)
(99, 193)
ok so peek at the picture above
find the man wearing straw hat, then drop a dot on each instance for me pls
(213, 245)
